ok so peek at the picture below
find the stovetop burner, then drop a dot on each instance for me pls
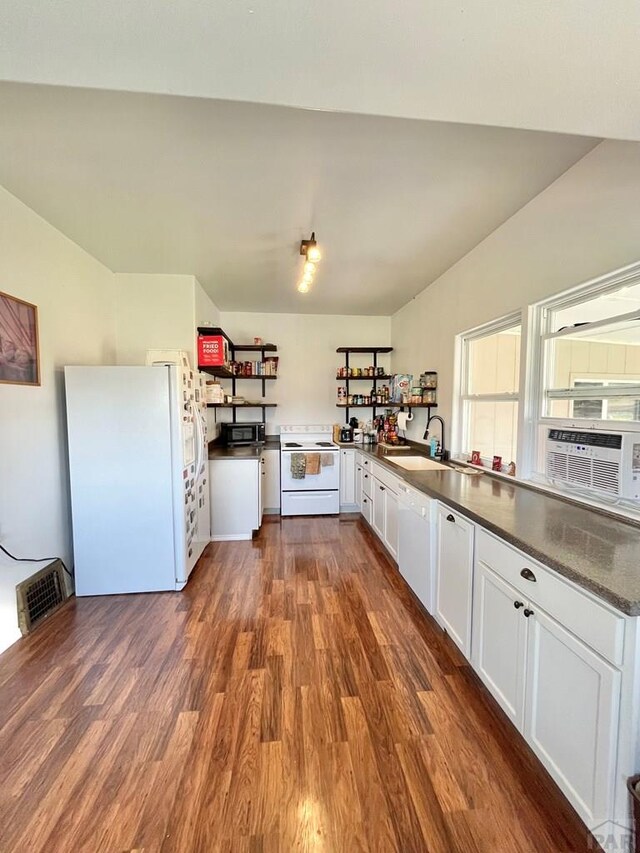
(292, 444)
(325, 443)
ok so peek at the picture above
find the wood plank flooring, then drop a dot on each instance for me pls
(294, 697)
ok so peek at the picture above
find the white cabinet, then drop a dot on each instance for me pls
(548, 671)
(234, 492)
(571, 715)
(365, 508)
(415, 542)
(367, 482)
(261, 479)
(500, 640)
(391, 522)
(377, 507)
(271, 480)
(454, 576)
(384, 514)
(347, 479)
(358, 482)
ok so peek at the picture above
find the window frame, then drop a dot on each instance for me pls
(462, 397)
(539, 368)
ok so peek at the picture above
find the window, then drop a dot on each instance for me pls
(591, 356)
(490, 382)
(585, 371)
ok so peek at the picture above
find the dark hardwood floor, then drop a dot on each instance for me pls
(293, 697)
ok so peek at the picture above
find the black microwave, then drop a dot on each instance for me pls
(235, 435)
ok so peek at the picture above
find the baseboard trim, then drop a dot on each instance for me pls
(231, 537)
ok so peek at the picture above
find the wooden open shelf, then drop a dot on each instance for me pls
(369, 378)
(225, 373)
(255, 347)
(386, 405)
(365, 349)
(241, 405)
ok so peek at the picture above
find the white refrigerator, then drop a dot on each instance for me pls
(138, 473)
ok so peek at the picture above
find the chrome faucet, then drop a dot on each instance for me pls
(442, 453)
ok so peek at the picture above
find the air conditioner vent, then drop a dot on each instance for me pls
(557, 468)
(40, 595)
(606, 476)
(579, 471)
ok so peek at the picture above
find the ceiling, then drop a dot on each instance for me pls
(225, 191)
(568, 66)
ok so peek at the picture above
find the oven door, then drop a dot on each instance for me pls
(328, 478)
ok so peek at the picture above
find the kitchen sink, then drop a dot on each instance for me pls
(416, 463)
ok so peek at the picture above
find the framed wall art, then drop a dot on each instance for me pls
(19, 355)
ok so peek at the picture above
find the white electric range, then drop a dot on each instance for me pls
(311, 494)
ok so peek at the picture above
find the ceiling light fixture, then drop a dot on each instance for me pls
(309, 250)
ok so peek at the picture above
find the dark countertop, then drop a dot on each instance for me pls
(594, 549)
(221, 451)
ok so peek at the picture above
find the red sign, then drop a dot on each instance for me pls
(211, 351)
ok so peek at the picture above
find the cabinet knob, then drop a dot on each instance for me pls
(527, 612)
(528, 575)
(518, 604)
(366, 476)
(450, 517)
(382, 488)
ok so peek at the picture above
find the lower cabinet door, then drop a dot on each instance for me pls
(391, 523)
(365, 508)
(571, 715)
(347, 478)
(378, 498)
(500, 641)
(454, 577)
(358, 495)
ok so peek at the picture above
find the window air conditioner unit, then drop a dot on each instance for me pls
(597, 460)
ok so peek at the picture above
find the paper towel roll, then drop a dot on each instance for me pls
(404, 418)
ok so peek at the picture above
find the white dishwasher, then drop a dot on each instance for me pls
(416, 543)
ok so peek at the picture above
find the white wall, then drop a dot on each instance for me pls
(206, 312)
(306, 386)
(583, 225)
(74, 295)
(158, 312)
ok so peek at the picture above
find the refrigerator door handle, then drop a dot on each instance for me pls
(198, 438)
(200, 468)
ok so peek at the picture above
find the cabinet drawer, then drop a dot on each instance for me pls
(386, 478)
(367, 482)
(599, 627)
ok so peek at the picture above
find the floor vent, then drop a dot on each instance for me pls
(40, 595)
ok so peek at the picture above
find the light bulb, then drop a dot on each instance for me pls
(303, 287)
(313, 254)
(309, 268)
(308, 277)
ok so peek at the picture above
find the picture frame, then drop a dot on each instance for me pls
(19, 342)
